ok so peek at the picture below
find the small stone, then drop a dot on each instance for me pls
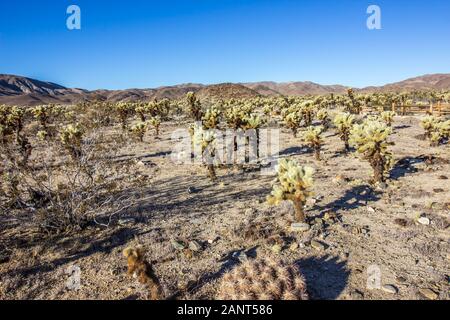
(443, 177)
(293, 247)
(178, 245)
(401, 279)
(370, 210)
(126, 221)
(424, 221)
(311, 202)
(195, 245)
(192, 190)
(317, 245)
(338, 179)
(389, 288)
(438, 190)
(428, 293)
(300, 227)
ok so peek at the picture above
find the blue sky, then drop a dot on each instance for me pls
(150, 43)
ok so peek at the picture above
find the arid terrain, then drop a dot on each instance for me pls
(193, 230)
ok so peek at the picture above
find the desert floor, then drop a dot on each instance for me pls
(354, 228)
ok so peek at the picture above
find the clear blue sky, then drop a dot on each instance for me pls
(149, 43)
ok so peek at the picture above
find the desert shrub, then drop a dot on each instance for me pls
(344, 123)
(312, 136)
(61, 196)
(370, 140)
(293, 183)
(263, 279)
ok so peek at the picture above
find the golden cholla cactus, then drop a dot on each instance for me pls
(211, 117)
(156, 123)
(194, 105)
(123, 111)
(263, 279)
(71, 137)
(139, 129)
(41, 114)
(344, 123)
(253, 122)
(292, 120)
(388, 117)
(428, 123)
(312, 136)
(141, 110)
(323, 117)
(307, 111)
(204, 142)
(441, 131)
(236, 116)
(293, 183)
(370, 140)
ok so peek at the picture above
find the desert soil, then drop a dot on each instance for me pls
(355, 228)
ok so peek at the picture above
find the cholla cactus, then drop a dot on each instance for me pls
(388, 117)
(312, 136)
(139, 130)
(344, 123)
(441, 131)
(123, 111)
(204, 141)
(15, 120)
(236, 116)
(293, 184)
(211, 118)
(156, 123)
(42, 114)
(263, 279)
(253, 122)
(71, 137)
(141, 110)
(307, 112)
(322, 116)
(42, 135)
(293, 120)
(195, 106)
(370, 140)
(428, 124)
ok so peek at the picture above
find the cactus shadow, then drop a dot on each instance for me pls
(358, 196)
(295, 151)
(405, 166)
(326, 277)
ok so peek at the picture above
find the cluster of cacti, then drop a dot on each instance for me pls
(312, 136)
(436, 129)
(371, 140)
(344, 123)
(71, 137)
(123, 111)
(293, 120)
(293, 183)
(211, 117)
(263, 279)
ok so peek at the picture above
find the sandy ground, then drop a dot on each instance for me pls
(231, 216)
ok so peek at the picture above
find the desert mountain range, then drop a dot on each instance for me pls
(17, 90)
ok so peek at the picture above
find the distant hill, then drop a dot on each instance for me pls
(16, 90)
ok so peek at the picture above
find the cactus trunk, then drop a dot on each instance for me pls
(299, 214)
(212, 172)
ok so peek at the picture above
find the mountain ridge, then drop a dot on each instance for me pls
(17, 90)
